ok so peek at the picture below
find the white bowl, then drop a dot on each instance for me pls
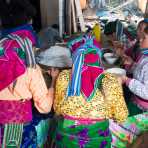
(110, 58)
(117, 71)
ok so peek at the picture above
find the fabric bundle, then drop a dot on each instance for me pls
(15, 55)
(55, 56)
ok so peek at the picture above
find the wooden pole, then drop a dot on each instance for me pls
(80, 15)
(61, 17)
(74, 16)
(146, 10)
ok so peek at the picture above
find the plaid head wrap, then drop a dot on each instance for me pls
(86, 71)
(16, 54)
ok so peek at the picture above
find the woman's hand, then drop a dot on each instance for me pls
(122, 79)
(127, 60)
(54, 72)
(118, 44)
(119, 48)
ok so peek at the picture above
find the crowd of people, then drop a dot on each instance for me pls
(84, 106)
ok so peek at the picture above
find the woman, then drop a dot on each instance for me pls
(20, 81)
(137, 123)
(85, 98)
(134, 51)
(119, 35)
(56, 57)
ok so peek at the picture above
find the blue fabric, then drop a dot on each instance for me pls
(28, 27)
(29, 139)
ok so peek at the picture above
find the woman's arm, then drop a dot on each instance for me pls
(43, 97)
(140, 88)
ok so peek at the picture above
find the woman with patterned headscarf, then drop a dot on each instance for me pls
(21, 81)
(85, 98)
(137, 122)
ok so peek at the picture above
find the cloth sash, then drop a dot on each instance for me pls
(15, 111)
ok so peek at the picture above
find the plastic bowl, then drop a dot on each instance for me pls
(110, 58)
(117, 71)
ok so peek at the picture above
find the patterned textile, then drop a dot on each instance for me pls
(86, 63)
(26, 27)
(12, 118)
(139, 84)
(15, 111)
(69, 134)
(127, 132)
(11, 135)
(27, 47)
(29, 139)
(35, 133)
(10, 70)
(18, 136)
(15, 54)
(108, 102)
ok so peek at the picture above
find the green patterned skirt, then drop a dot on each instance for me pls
(72, 134)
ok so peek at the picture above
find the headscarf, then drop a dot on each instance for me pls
(16, 54)
(87, 72)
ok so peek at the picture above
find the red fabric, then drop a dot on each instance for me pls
(91, 58)
(11, 67)
(89, 77)
(90, 74)
(77, 45)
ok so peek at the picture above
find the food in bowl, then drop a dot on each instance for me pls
(117, 71)
(110, 58)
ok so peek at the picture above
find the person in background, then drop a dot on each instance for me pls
(15, 13)
(85, 98)
(137, 122)
(134, 52)
(120, 36)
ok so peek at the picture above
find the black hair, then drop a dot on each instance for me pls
(16, 13)
(110, 28)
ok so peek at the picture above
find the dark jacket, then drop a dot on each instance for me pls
(16, 12)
